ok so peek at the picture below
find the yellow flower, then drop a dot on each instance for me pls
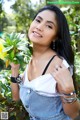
(2, 54)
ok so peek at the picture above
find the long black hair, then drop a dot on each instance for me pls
(63, 42)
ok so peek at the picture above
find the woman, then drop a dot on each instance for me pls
(47, 90)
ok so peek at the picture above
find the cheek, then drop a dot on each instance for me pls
(30, 30)
(51, 35)
(31, 27)
(54, 34)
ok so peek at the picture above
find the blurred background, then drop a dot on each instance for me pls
(15, 17)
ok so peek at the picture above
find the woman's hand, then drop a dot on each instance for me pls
(64, 79)
(15, 69)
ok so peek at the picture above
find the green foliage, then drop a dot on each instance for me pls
(17, 51)
(16, 47)
(15, 110)
(77, 62)
(3, 19)
(23, 15)
(77, 71)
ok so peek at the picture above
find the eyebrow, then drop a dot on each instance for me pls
(47, 20)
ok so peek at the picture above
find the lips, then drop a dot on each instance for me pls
(36, 34)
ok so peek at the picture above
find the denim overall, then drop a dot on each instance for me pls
(41, 107)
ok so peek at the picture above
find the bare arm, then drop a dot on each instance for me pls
(15, 91)
(65, 85)
(72, 110)
(14, 86)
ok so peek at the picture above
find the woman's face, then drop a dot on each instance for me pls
(43, 29)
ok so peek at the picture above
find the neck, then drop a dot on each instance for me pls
(39, 51)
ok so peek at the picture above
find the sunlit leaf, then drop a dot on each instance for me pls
(7, 48)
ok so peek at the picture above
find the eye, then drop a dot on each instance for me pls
(37, 20)
(49, 26)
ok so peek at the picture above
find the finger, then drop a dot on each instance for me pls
(55, 69)
(58, 67)
(63, 66)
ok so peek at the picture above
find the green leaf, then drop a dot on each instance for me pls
(23, 48)
(7, 48)
(11, 55)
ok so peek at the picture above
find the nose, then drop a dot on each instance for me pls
(40, 27)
